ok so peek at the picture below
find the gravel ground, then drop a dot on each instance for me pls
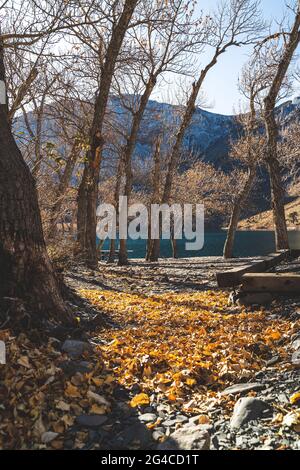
(266, 420)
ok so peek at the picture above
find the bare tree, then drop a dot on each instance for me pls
(25, 270)
(234, 24)
(88, 190)
(164, 43)
(249, 148)
(291, 41)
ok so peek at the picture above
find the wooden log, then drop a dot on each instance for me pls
(271, 282)
(233, 277)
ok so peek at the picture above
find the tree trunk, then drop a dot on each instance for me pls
(236, 213)
(88, 190)
(128, 152)
(123, 254)
(277, 191)
(61, 191)
(153, 247)
(112, 252)
(25, 269)
(272, 161)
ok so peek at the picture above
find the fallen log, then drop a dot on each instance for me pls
(271, 282)
(233, 277)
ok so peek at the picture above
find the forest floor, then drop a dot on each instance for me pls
(150, 363)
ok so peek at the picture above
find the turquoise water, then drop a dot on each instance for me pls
(254, 243)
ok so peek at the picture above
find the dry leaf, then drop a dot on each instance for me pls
(140, 400)
(72, 391)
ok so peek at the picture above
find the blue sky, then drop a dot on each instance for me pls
(221, 89)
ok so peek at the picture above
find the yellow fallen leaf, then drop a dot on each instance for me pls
(295, 398)
(140, 400)
(23, 361)
(96, 381)
(72, 391)
(68, 420)
(98, 410)
(63, 406)
(191, 382)
(203, 420)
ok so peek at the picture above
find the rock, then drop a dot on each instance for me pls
(187, 438)
(181, 419)
(249, 409)
(249, 299)
(296, 359)
(296, 344)
(71, 367)
(136, 434)
(91, 421)
(273, 361)
(75, 348)
(243, 388)
(169, 423)
(148, 418)
(97, 398)
(157, 435)
(48, 437)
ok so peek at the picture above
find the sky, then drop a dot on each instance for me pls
(221, 87)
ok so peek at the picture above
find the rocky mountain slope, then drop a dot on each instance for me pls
(208, 137)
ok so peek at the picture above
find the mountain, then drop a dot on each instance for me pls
(208, 137)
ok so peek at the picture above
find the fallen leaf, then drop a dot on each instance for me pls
(141, 399)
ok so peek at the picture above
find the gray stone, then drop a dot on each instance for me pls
(181, 419)
(273, 361)
(249, 409)
(169, 423)
(148, 418)
(91, 421)
(296, 344)
(187, 438)
(157, 435)
(243, 388)
(296, 359)
(48, 437)
(75, 348)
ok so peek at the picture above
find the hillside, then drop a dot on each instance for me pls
(264, 220)
(208, 137)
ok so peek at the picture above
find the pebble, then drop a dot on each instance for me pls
(157, 435)
(48, 437)
(248, 409)
(148, 418)
(75, 348)
(296, 359)
(243, 388)
(187, 438)
(91, 421)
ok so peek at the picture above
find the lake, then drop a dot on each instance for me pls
(252, 243)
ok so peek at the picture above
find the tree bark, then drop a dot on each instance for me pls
(61, 191)
(153, 246)
(25, 269)
(272, 161)
(236, 213)
(88, 190)
(128, 152)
